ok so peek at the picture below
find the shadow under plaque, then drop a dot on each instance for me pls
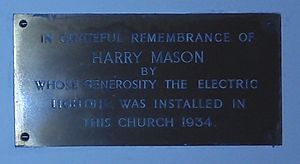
(147, 79)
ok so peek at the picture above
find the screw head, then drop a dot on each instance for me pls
(24, 136)
(23, 23)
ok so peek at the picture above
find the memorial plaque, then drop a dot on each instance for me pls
(147, 79)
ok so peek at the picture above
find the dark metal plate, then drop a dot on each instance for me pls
(156, 79)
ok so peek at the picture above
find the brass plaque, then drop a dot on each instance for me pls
(147, 79)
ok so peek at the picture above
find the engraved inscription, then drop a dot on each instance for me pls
(142, 79)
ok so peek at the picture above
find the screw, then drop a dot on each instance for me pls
(24, 136)
(23, 23)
